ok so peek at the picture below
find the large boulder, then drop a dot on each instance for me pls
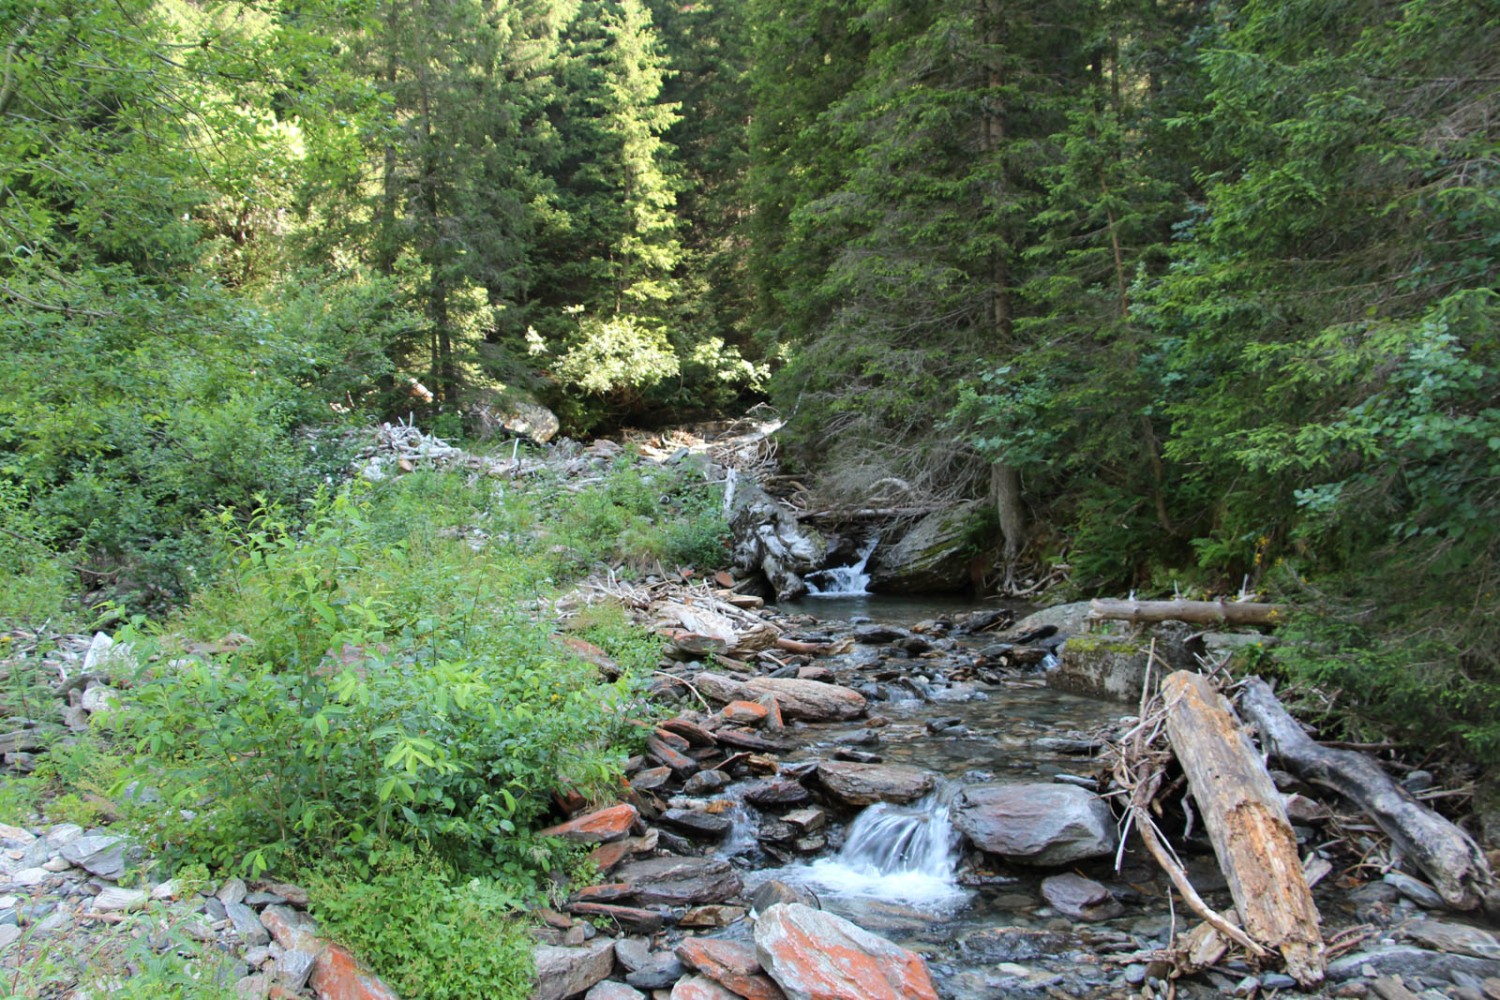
(1105, 665)
(865, 784)
(1067, 619)
(935, 556)
(815, 955)
(1036, 823)
(769, 539)
(492, 413)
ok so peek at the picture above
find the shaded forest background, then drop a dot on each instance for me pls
(1200, 294)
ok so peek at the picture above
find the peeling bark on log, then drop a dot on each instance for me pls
(1198, 612)
(1243, 815)
(1444, 853)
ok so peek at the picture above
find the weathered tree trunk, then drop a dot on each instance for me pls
(1201, 612)
(1005, 490)
(1243, 815)
(1444, 853)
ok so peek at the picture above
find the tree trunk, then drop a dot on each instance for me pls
(1244, 817)
(1454, 863)
(1198, 612)
(1005, 491)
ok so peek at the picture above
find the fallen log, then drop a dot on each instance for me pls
(1244, 818)
(1444, 853)
(1197, 612)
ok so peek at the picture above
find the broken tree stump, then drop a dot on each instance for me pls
(1444, 853)
(1197, 612)
(1244, 818)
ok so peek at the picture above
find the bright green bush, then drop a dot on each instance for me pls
(429, 934)
(377, 692)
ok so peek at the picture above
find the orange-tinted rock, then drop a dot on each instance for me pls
(606, 856)
(774, 721)
(690, 731)
(746, 713)
(730, 964)
(700, 988)
(290, 928)
(605, 893)
(337, 976)
(632, 918)
(591, 653)
(675, 759)
(600, 827)
(814, 955)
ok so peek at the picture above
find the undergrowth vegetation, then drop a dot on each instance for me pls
(371, 694)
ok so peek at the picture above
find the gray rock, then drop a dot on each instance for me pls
(565, 972)
(1067, 619)
(9, 935)
(294, 967)
(679, 881)
(1036, 823)
(865, 784)
(115, 900)
(934, 556)
(1102, 666)
(1459, 939)
(704, 783)
(774, 891)
(253, 987)
(633, 952)
(697, 823)
(775, 793)
(28, 878)
(246, 924)
(660, 972)
(1418, 892)
(232, 891)
(103, 856)
(1407, 962)
(611, 990)
(62, 834)
(1074, 896)
(99, 698)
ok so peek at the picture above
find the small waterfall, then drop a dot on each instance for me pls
(891, 852)
(843, 581)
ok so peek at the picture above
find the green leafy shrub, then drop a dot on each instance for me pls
(376, 693)
(428, 934)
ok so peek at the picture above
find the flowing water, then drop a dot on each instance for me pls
(844, 581)
(899, 870)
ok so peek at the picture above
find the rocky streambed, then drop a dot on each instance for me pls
(920, 782)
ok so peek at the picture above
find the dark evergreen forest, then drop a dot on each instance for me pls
(1197, 294)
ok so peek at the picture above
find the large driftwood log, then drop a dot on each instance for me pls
(1243, 815)
(1443, 852)
(1198, 612)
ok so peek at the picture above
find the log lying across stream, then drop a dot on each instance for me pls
(1443, 852)
(1244, 817)
(1197, 612)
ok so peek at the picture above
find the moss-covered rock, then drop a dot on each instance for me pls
(935, 556)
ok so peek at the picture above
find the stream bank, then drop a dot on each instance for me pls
(955, 810)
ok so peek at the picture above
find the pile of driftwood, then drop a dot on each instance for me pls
(404, 447)
(1274, 918)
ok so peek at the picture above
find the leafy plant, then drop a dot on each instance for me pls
(458, 938)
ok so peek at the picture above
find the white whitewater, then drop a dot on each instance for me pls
(892, 853)
(843, 581)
